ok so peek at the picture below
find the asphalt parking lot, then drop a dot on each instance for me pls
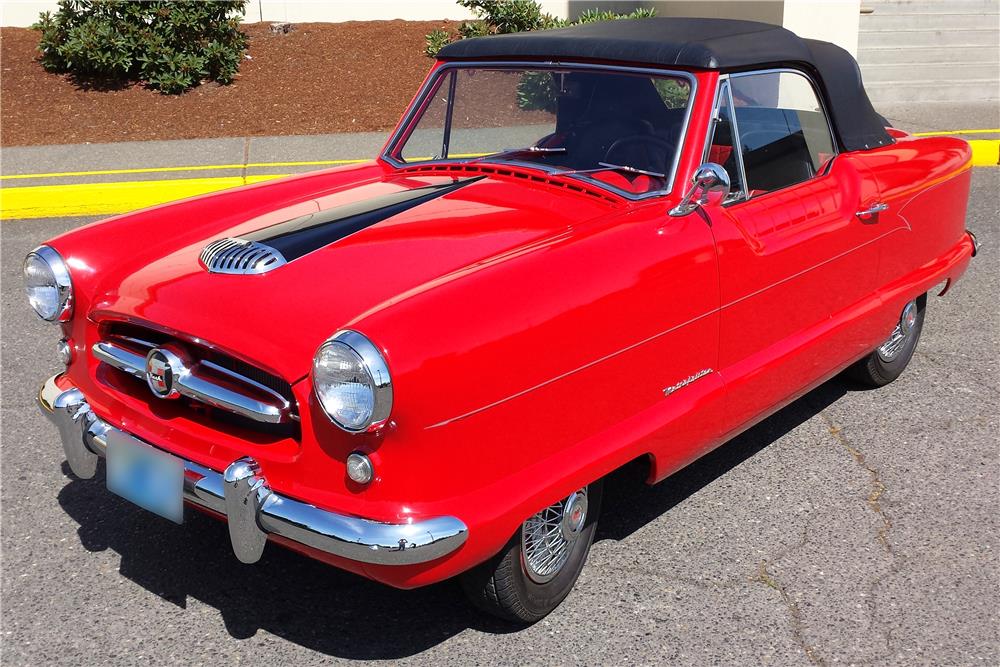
(853, 527)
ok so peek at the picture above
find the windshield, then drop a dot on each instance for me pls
(620, 129)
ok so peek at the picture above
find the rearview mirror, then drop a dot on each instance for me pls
(710, 179)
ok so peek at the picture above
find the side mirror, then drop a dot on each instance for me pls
(709, 179)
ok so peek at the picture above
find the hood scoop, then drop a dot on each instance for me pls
(240, 256)
(274, 246)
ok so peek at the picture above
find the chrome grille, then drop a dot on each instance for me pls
(240, 256)
(207, 376)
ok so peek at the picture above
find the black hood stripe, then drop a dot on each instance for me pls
(299, 236)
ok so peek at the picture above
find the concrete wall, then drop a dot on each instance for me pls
(829, 20)
(22, 13)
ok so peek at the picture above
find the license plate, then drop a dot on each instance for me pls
(151, 479)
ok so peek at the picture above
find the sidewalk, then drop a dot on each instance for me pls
(105, 179)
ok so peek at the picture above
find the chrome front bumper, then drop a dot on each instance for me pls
(252, 510)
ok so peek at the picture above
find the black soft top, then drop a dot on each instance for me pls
(726, 45)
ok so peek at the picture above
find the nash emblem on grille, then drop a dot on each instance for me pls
(162, 367)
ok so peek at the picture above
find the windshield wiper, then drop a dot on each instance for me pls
(511, 152)
(616, 167)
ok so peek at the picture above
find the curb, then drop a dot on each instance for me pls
(985, 152)
(111, 198)
(78, 199)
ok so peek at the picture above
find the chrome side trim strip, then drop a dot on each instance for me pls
(84, 438)
(196, 387)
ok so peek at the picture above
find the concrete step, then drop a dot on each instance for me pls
(928, 37)
(933, 72)
(940, 21)
(890, 92)
(927, 54)
(931, 6)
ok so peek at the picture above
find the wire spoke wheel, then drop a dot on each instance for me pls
(548, 536)
(541, 561)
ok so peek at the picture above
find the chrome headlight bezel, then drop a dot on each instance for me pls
(62, 282)
(378, 379)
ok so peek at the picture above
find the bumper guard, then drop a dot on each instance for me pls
(252, 509)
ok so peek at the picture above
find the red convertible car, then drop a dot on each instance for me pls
(579, 248)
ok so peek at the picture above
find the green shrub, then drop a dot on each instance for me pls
(500, 17)
(169, 46)
(436, 40)
(592, 15)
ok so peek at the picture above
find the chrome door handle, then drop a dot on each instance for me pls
(868, 214)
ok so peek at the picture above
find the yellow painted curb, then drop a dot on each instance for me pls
(53, 201)
(985, 152)
(946, 133)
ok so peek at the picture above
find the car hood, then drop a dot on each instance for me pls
(425, 230)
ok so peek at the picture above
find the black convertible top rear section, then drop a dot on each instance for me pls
(726, 45)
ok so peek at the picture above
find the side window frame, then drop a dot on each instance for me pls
(723, 96)
(724, 93)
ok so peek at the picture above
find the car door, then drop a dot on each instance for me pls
(797, 265)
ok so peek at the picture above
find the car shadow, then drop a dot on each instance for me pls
(629, 503)
(340, 614)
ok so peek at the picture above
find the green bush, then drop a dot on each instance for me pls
(500, 17)
(436, 40)
(592, 15)
(169, 46)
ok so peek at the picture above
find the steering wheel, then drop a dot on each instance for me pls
(646, 142)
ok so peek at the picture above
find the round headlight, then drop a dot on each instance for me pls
(352, 383)
(47, 282)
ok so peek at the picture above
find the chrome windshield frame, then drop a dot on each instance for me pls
(405, 126)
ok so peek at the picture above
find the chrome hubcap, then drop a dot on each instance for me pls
(891, 348)
(547, 537)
